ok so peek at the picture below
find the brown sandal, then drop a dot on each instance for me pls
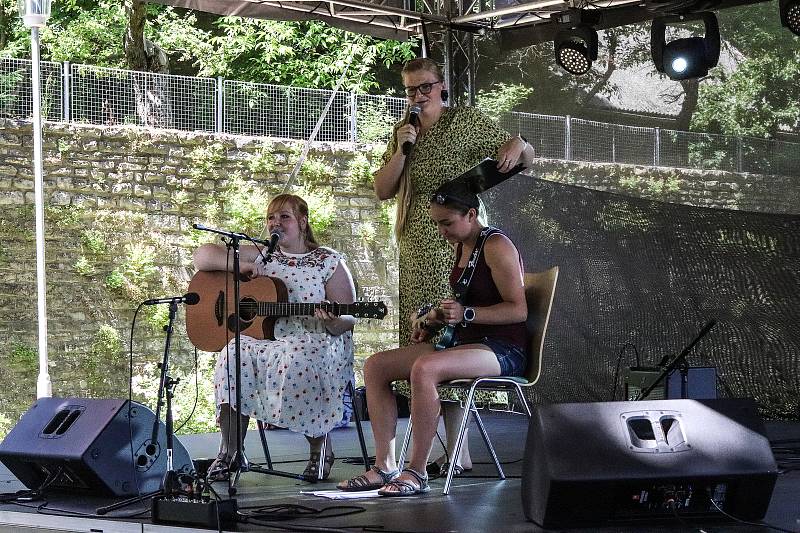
(311, 473)
(362, 482)
(220, 469)
(405, 488)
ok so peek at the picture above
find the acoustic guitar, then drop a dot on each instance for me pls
(211, 323)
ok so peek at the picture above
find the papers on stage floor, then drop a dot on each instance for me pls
(342, 495)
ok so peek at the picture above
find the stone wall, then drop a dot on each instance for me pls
(120, 202)
(707, 188)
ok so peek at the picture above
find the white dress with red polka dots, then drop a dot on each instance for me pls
(297, 380)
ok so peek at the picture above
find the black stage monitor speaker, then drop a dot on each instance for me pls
(87, 445)
(589, 463)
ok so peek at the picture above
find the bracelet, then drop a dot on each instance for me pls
(422, 311)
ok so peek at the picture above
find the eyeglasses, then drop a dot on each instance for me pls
(424, 88)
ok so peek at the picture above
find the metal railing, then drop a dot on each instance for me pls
(99, 95)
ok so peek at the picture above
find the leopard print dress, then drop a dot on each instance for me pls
(461, 138)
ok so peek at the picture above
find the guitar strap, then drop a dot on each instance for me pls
(462, 285)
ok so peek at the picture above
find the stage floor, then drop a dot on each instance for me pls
(478, 500)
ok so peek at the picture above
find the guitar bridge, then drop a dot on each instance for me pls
(219, 308)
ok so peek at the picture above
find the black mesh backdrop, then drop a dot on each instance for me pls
(653, 274)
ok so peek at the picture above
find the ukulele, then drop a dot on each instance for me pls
(446, 339)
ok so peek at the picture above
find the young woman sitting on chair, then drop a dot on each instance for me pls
(296, 380)
(488, 320)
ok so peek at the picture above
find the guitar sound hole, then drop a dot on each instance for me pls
(248, 309)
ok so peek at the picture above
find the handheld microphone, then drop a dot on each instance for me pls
(413, 119)
(274, 237)
(190, 298)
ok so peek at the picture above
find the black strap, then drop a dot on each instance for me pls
(462, 285)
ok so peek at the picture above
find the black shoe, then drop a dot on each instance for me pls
(436, 470)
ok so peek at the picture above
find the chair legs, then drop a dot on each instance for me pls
(359, 428)
(401, 461)
(264, 444)
(469, 407)
(487, 441)
(321, 469)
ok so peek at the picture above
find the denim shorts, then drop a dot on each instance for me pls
(510, 356)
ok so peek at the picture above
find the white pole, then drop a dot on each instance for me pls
(44, 388)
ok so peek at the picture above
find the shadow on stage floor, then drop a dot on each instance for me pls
(478, 500)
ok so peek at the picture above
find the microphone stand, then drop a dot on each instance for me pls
(680, 363)
(166, 388)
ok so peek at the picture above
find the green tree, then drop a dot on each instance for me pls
(132, 34)
(554, 90)
(302, 54)
(502, 98)
(762, 95)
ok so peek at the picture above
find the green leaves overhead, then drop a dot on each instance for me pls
(303, 54)
(757, 99)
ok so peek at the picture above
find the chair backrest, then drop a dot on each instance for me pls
(539, 290)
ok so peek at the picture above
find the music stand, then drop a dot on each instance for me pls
(680, 363)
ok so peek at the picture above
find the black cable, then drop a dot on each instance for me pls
(674, 509)
(619, 360)
(43, 508)
(381, 529)
(32, 494)
(196, 394)
(761, 523)
(299, 527)
(260, 250)
(274, 515)
(290, 511)
(130, 399)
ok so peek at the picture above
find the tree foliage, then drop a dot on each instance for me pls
(502, 98)
(303, 54)
(763, 94)
(108, 33)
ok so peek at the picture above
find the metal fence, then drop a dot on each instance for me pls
(98, 95)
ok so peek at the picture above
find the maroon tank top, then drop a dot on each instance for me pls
(483, 292)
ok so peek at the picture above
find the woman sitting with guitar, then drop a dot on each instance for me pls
(296, 380)
(488, 321)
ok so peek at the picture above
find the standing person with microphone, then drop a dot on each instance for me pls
(421, 155)
(297, 380)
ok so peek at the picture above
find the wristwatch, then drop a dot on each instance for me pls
(469, 314)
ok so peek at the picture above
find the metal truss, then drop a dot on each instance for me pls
(401, 19)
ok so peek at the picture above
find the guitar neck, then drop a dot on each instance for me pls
(304, 309)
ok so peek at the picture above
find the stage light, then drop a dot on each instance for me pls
(689, 57)
(790, 15)
(576, 44)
